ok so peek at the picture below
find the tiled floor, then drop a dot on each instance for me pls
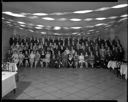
(69, 84)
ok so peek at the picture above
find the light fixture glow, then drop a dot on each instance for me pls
(43, 32)
(58, 13)
(83, 11)
(57, 28)
(75, 19)
(38, 27)
(112, 17)
(48, 18)
(122, 19)
(21, 22)
(88, 19)
(102, 9)
(100, 24)
(76, 27)
(120, 6)
(33, 17)
(62, 19)
(13, 14)
(101, 18)
(22, 25)
(31, 30)
(39, 14)
(125, 15)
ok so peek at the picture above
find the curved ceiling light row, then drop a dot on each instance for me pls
(63, 13)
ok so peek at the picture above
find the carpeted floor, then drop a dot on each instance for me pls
(69, 84)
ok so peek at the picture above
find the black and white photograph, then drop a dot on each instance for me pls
(64, 50)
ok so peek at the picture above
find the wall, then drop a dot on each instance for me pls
(6, 34)
(121, 33)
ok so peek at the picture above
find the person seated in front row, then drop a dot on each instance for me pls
(37, 58)
(31, 58)
(70, 61)
(81, 60)
(47, 59)
(86, 59)
(97, 59)
(21, 57)
(76, 60)
(59, 60)
(42, 59)
(91, 59)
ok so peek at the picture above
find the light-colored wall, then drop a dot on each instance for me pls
(6, 34)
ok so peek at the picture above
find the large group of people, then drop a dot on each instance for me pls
(60, 52)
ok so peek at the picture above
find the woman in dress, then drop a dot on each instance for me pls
(31, 58)
(47, 59)
(70, 61)
(15, 57)
(26, 58)
(86, 59)
(76, 60)
(42, 59)
(21, 57)
(91, 59)
(37, 58)
(81, 60)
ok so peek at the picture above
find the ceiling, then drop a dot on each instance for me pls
(69, 7)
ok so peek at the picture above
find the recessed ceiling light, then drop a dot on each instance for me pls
(76, 27)
(43, 32)
(31, 30)
(88, 19)
(38, 27)
(3, 18)
(32, 17)
(89, 26)
(57, 34)
(8, 22)
(125, 15)
(112, 17)
(48, 18)
(122, 19)
(62, 19)
(100, 24)
(58, 13)
(75, 19)
(13, 14)
(120, 6)
(22, 25)
(39, 14)
(101, 18)
(21, 22)
(102, 9)
(57, 28)
(83, 11)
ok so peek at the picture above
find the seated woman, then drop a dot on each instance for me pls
(37, 58)
(59, 60)
(81, 60)
(103, 55)
(97, 59)
(91, 59)
(42, 59)
(76, 60)
(21, 57)
(26, 59)
(64, 59)
(31, 58)
(15, 57)
(47, 59)
(86, 59)
(8, 56)
(70, 61)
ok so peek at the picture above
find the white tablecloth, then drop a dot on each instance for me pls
(113, 64)
(8, 82)
(123, 70)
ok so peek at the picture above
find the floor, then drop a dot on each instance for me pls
(69, 84)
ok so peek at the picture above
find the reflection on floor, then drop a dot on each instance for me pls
(69, 84)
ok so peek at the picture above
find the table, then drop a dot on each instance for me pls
(8, 82)
(123, 70)
(113, 64)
